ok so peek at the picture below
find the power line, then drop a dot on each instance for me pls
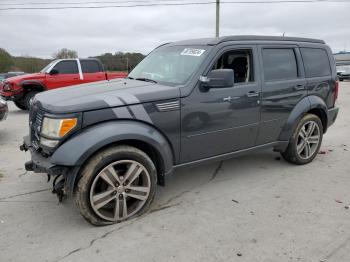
(88, 3)
(179, 3)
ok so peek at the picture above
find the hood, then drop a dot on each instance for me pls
(103, 94)
(20, 78)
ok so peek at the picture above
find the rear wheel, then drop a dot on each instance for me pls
(306, 141)
(116, 184)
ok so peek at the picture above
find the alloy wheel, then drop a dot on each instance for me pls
(308, 140)
(120, 190)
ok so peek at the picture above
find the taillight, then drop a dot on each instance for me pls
(336, 91)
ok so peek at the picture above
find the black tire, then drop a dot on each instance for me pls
(94, 168)
(341, 79)
(27, 98)
(20, 105)
(291, 154)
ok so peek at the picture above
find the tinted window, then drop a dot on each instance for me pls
(67, 67)
(316, 62)
(279, 64)
(90, 66)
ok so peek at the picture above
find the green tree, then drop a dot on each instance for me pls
(5, 60)
(65, 53)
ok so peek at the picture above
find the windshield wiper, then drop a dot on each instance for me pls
(146, 80)
(128, 77)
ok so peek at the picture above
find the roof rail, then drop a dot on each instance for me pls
(222, 39)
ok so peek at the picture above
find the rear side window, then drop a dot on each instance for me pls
(316, 62)
(279, 64)
(90, 67)
(67, 67)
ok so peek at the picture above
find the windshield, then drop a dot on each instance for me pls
(345, 68)
(170, 64)
(46, 67)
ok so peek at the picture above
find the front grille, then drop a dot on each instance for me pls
(36, 116)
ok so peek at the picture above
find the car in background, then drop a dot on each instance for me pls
(59, 73)
(3, 109)
(4, 76)
(343, 72)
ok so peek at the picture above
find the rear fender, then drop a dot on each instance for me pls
(305, 105)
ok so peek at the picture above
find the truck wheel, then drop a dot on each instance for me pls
(20, 105)
(305, 141)
(116, 184)
(28, 97)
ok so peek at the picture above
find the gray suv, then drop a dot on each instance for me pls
(110, 143)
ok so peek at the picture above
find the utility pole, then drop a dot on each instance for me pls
(217, 33)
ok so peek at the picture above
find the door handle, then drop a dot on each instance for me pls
(252, 94)
(299, 87)
(227, 99)
(75, 78)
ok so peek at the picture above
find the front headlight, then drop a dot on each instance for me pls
(58, 128)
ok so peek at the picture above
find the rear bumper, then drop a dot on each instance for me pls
(332, 115)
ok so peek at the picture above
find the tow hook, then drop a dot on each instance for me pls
(23, 147)
(58, 187)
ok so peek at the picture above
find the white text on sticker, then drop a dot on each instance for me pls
(192, 51)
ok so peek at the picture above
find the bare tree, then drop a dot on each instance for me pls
(65, 53)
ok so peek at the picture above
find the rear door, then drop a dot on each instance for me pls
(283, 86)
(92, 71)
(68, 74)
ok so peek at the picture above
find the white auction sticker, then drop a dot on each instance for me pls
(192, 51)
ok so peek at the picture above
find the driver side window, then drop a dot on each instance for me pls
(67, 67)
(240, 61)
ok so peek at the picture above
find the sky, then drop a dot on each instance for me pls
(96, 31)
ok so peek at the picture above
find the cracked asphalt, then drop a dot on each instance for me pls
(252, 208)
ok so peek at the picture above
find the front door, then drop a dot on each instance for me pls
(221, 120)
(67, 75)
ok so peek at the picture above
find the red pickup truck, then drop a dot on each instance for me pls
(59, 73)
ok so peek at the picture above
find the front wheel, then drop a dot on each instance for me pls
(20, 104)
(28, 98)
(116, 184)
(306, 141)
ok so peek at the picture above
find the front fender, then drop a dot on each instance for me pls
(76, 150)
(30, 82)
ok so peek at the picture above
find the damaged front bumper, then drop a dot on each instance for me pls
(41, 164)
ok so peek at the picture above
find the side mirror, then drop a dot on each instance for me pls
(54, 72)
(218, 78)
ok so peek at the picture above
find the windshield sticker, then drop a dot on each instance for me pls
(192, 52)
